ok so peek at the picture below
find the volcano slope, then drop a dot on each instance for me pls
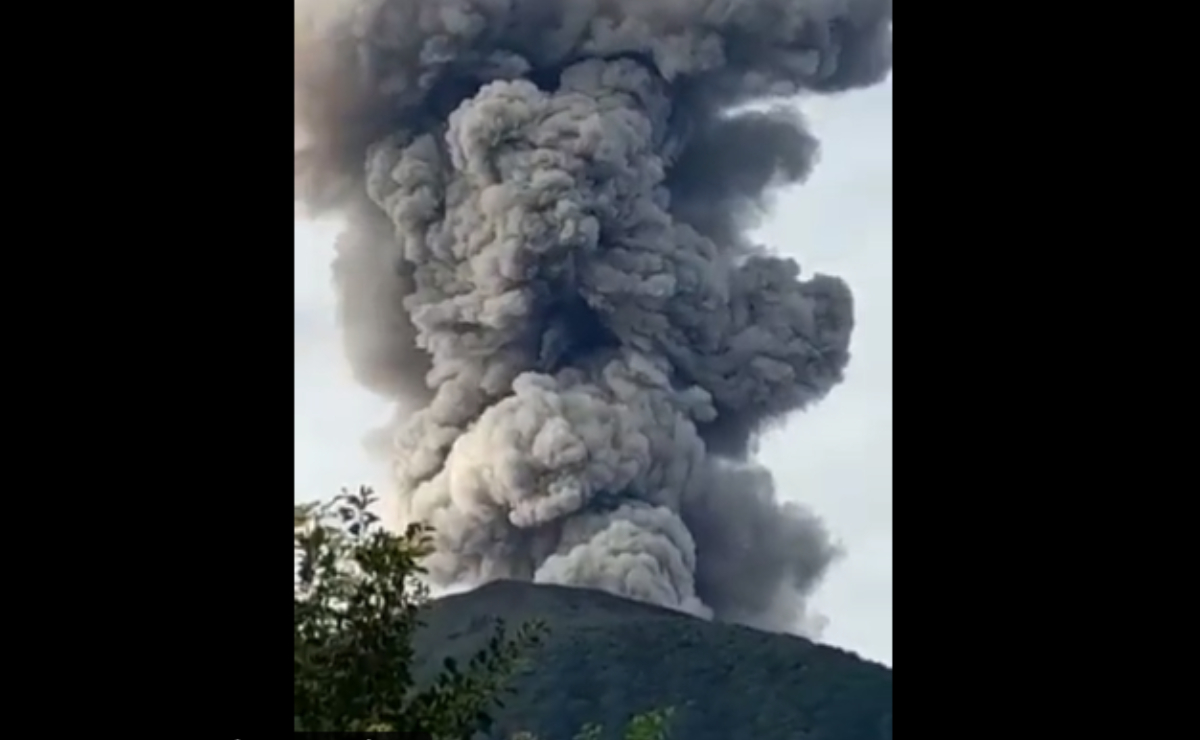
(606, 658)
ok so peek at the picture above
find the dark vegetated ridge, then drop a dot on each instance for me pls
(607, 658)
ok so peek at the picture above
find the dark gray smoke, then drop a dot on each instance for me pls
(547, 266)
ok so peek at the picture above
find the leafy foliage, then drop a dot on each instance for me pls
(357, 604)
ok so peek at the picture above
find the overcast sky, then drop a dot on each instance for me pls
(837, 458)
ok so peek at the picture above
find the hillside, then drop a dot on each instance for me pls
(607, 658)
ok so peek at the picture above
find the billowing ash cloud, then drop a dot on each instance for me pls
(547, 267)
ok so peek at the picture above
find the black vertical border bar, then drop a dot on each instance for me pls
(1025, 218)
(150, 574)
(214, 289)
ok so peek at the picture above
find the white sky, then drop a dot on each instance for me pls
(837, 458)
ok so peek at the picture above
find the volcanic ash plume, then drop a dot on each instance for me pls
(547, 268)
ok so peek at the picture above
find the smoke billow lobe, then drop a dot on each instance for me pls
(546, 266)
